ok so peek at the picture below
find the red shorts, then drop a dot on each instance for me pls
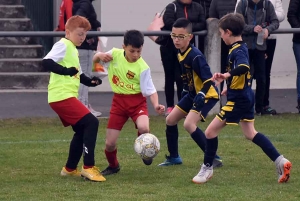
(70, 111)
(125, 106)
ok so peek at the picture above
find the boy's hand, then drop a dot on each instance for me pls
(199, 101)
(224, 92)
(70, 71)
(220, 77)
(105, 57)
(96, 81)
(160, 109)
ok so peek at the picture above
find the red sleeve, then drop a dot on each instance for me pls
(68, 8)
(61, 21)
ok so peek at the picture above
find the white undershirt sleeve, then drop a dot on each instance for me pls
(146, 84)
(57, 53)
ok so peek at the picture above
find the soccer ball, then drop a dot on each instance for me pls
(147, 146)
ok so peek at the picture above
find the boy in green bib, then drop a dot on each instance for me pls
(63, 63)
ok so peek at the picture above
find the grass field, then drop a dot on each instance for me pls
(33, 152)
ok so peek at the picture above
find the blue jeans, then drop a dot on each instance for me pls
(296, 48)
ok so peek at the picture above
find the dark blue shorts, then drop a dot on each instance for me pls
(234, 113)
(186, 105)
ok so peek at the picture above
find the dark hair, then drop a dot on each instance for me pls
(234, 22)
(134, 38)
(183, 23)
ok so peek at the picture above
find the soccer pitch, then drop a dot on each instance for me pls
(33, 151)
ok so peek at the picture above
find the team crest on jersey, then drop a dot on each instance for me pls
(130, 74)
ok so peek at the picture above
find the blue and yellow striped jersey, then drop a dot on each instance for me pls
(196, 72)
(239, 84)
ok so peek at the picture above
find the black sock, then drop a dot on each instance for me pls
(90, 125)
(211, 150)
(172, 140)
(199, 137)
(75, 150)
(266, 145)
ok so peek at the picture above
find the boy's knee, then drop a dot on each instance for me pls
(110, 145)
(143, 129)
(187, 126)
(170, 121)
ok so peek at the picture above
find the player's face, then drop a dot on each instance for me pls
(225, 35)
(77, 36)
(181, 38)
(132, 54)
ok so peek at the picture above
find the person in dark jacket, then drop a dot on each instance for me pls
(205, 5)
(86, 9)
(259, 17)
(294, 20)
(218, 9)
(178, 9)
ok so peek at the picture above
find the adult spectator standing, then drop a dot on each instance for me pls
(178, 9)
(271, 45)
(205, 5)
(294, 20)
(260, 19)
(86, 9)
(219, 8)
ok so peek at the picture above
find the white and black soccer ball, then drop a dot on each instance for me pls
(147, 146)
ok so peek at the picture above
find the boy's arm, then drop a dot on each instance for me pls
(90, 82)
(202, 69)
(148, 89)
(242, 64)
(146, 83)
(103, 56)
(292, 14)
(57, 53)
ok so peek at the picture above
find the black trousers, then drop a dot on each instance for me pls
(271, 45)
(172, 72)
(258, 72)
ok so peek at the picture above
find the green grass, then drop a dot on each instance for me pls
(33, 152)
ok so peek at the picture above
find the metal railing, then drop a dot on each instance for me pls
(114, 34)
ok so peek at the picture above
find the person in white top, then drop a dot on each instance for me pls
(271, 45)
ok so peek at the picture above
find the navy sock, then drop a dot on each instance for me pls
(211, 150)
(172, 140)
(266, 145)
(199, 137)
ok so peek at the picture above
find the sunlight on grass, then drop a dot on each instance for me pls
(33, 151)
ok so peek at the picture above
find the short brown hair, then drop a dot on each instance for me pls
(77, 21)
(234, 22)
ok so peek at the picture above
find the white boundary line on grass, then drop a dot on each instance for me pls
(126, 139)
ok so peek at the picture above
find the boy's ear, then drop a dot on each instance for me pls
(123, 46)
